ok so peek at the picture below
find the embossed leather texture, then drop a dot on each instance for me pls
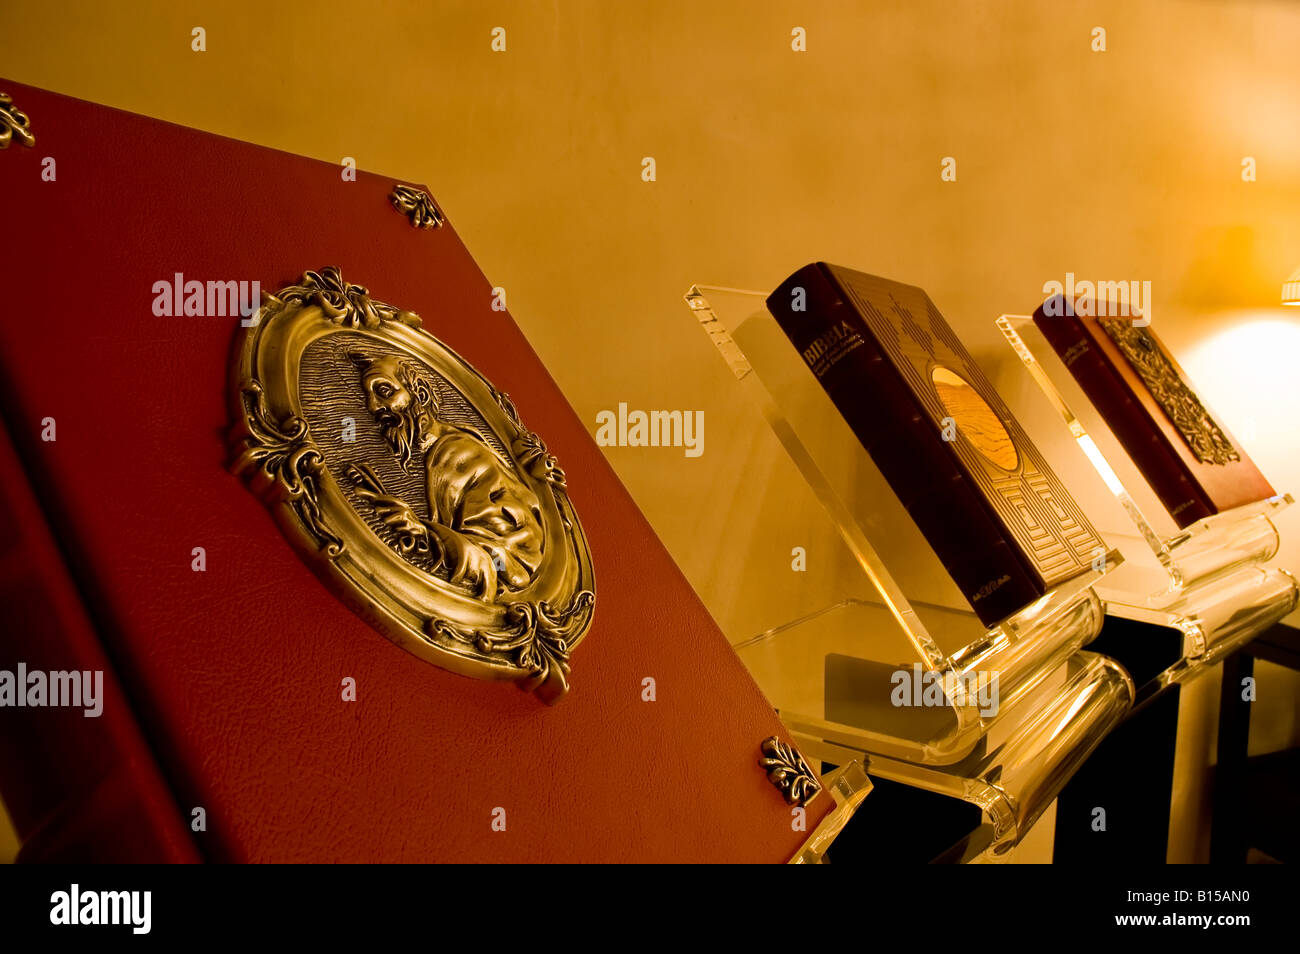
(235, 673)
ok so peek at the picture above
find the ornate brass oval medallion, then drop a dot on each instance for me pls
(412, 484)
(975, 419)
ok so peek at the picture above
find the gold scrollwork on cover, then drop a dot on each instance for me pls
(417, 205)
(412, 484)
(1203, 435)
(14, 124)
(787, 770)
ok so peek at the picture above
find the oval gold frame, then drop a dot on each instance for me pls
(527, 635)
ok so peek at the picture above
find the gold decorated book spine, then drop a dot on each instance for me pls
(906, 445)
(1124, 413)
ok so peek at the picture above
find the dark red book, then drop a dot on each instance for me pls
(250, 686)
(1194, 465)
(994, 512)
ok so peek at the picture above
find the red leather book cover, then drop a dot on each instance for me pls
(1194, 466)
(234, 670)
(79, 782)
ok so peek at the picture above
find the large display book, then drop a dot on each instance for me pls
(357, 581)
(1198, 514)
(977, 488)
(977, 569)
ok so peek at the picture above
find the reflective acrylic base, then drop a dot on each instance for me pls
(839, 708)
(1018, 773)
(848, 786)
(1210, 581)
(1015, 708)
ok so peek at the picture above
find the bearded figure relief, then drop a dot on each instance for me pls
(485, 526)
(411, 485)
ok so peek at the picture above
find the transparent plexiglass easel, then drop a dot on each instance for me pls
(1210, 581)
(832, 674)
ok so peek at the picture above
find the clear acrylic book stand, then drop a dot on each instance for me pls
(1209, 581)
(900, 673)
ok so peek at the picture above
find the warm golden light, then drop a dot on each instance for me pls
(1102, 466)
(1247, 372)
(1291, 289)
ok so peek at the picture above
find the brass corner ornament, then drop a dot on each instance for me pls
(787, 770)
(411, 485)
(417, 205)
(14, 124)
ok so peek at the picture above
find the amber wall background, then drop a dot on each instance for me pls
(1118, 164)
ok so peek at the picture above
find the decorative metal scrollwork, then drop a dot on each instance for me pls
(413, 485)
(1202, 433)
(14, 124)
(787, 770)
(417, 205)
